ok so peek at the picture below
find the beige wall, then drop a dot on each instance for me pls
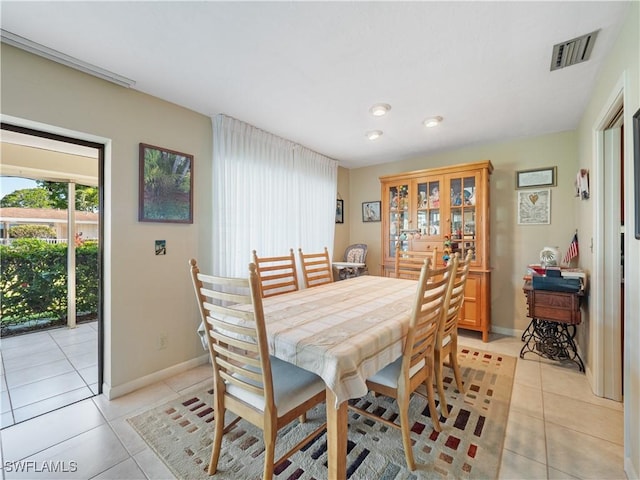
(513, 246)
(145, 294)
(341, 235)
(621, 69)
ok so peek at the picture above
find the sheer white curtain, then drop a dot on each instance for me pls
(269, 195)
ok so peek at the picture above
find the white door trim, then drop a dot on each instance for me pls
(602, 313)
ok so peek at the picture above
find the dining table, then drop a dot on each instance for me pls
(344, 332)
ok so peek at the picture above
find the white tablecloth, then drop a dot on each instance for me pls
(344, 331)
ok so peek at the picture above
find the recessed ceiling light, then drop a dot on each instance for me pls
(374, 134)
(380, 109)
(432, 122)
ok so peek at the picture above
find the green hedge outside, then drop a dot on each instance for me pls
(33, 280)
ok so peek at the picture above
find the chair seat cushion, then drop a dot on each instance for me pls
(388, 376)
(291, 386)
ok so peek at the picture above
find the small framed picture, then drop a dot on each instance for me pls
(339, 211)
(371, 211)
(166, 186)
(540, 177)
(534, 207)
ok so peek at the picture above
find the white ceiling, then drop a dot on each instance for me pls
(310, 71)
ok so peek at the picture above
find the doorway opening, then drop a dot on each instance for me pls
(49, 368)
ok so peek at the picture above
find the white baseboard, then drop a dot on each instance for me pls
(509, 332)
(118, 391)
(629, 470)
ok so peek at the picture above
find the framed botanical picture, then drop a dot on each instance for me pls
(540, 177)
(339, 211)
(534, 207)
(371, 211)
(165, 192)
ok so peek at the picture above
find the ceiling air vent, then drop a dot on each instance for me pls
(573, 51)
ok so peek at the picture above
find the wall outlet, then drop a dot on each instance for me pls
(163, 340)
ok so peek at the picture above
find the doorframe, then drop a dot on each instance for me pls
(103, 145)
(604, 329)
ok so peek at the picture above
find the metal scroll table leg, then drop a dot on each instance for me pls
(552, 340)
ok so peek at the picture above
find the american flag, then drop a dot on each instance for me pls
(572, 252)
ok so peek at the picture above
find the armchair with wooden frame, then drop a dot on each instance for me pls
(415, 367)
(263, 390)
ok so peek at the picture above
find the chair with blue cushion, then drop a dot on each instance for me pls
(416, 365)
(261, 389)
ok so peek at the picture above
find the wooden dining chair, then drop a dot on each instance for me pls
(415, 367)
(447, 339)
(409, 263)
(316, 268)
(276, 275)
(263, 390)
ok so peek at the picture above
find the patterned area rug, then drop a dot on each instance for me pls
(469, 446)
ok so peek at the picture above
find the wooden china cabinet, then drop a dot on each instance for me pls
(421, 209)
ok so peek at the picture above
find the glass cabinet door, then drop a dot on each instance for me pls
(463, 214)
(428, 208)
(399, 220)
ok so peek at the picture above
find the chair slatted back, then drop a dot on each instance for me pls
(276, 275)
(450, 323)
(432, 300)
(316, 268)
(231, 309)
(408, 264)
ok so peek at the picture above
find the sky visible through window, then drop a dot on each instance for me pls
(11, 184)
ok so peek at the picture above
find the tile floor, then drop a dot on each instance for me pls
(43, 371)
(556, 427)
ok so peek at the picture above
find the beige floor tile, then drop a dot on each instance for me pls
(93, 452)
(47, 388)
(6, 419)
(518, 467)
(583, 456)
(572, 383)
(69, 336)
(90, 346)
(127, 470)
(526, 400)
(191, 377)
(89, 374)
(84, 360)
(600, 422)
(5, 402)
(525, 436)
(140, 400)
(23, 376)
(25, 439)
(558, 475)
(48, 405)
(152, 466)
(41, 339)
(39, 358)
(528, 373)
(25, 350)
(128, 436)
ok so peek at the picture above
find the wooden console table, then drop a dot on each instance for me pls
(554, 316)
